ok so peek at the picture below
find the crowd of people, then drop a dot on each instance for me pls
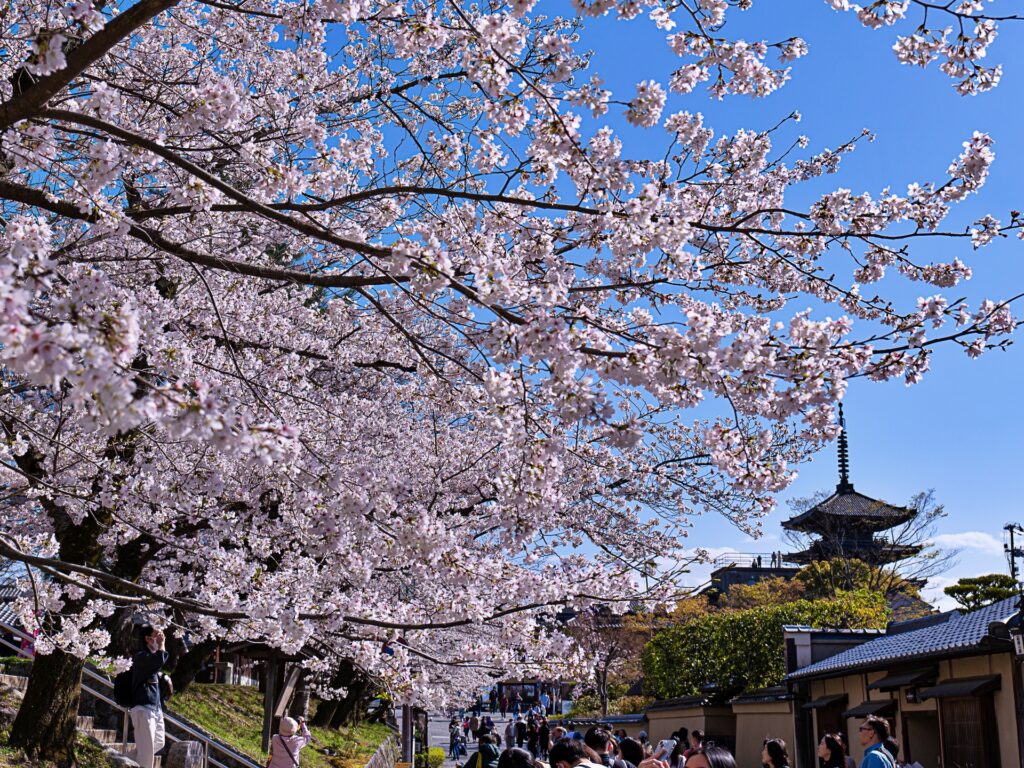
(531, 742)
(510, 703)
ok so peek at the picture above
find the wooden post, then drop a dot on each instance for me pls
(291, 680)
(407, 731)
(269, 700)
(1018, 703)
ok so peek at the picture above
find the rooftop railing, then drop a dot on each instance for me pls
(754, 560)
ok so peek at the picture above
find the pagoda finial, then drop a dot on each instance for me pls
(844, 457)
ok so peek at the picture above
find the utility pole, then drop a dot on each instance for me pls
(1012, 553)
(1012, 550)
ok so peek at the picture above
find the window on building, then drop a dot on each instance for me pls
(831, 720)
(969, 739)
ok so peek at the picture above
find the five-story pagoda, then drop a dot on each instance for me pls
(849, 524)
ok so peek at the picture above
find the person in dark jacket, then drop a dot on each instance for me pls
(147, 713)
(830, 752)
(543, 739)
(774, 754)
(487, 755)
(520, 732)
(516, 757)
(632, 751)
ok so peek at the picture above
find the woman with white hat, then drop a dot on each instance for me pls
(285, 746)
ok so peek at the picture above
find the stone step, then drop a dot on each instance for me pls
(103, 735)
(85, 722)
(18, 682)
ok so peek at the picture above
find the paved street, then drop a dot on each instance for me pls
(439, 736)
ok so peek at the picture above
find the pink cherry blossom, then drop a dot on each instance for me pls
(328, 322)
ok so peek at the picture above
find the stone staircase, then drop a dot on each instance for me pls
(17, 682)
(86, 724)
(108, 739)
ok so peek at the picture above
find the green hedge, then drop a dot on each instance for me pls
(432, 758)
(745, 649)
(589, 705)
(15, 665)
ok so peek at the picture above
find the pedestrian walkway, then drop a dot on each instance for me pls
(439, 737)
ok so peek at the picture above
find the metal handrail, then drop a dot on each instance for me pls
(207, 742)
(747, 559)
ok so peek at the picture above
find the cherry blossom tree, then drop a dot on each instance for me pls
(348, 326)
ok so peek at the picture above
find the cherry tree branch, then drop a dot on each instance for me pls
(29, 101)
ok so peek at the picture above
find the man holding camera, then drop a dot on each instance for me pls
(146, 712)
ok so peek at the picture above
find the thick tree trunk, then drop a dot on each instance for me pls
(324, 714)
(190, 664)
(45, 725)
(333, 714)
(343, 714)
(349, 708)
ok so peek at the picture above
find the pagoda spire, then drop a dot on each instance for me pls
(843, 525)
(845, 486)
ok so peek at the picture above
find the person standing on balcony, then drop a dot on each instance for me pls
(147, 713)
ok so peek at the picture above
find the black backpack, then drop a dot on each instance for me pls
(166, 686)
(124, 690)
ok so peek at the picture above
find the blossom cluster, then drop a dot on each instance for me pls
(342, 324)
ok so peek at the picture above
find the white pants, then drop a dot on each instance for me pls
(149, 734)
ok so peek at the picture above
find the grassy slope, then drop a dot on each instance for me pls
(87, 753)
(234, 714)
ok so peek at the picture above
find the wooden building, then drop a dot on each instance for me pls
(949, 684)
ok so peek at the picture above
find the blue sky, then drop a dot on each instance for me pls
(959, 431)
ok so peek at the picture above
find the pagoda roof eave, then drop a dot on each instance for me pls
(882, 554)
(848, 508)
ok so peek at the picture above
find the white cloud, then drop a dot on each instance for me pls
(714, 552)
(933, 592)
(976, 540)
(699, 572)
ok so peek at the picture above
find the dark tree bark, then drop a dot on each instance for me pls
(346, 711)
(350, 708)
(601, 675)
(324, 714)
(45, 725)
(190, 663)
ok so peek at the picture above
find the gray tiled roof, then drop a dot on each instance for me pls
(763, 695)
(958, 633)
(850, 505)
(8, 593)
(682, 702)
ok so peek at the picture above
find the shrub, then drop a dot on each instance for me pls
(744, 649)
(15, 665)
(432, 758)
(589, 705)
